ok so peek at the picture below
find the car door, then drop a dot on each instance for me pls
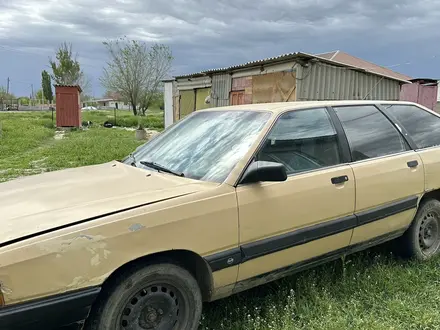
(310, 215)
(389, 175)
(422, 128)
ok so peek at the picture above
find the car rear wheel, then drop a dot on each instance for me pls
(159, 297)
(422, 239)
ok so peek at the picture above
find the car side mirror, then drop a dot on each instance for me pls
(260, 171)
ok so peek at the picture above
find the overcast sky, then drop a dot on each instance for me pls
(205, 34)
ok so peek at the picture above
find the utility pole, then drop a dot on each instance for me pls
(7, 86)
(32, 87)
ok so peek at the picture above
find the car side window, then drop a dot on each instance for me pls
(370, 134)
(302, 140)
(423, 127)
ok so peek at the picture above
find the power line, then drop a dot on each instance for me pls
(11, 82)
(409, 63)
(21, 82)
(16, 50)
(10, 49)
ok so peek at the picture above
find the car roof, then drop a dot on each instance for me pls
(277, 107)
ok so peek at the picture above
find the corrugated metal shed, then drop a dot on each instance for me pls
(320, 81)
(193, 82)
(221, 86)
(299, 76)
(290, 57)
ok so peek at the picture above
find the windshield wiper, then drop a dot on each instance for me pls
(161, 168)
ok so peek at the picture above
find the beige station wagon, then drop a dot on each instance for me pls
(222, 201)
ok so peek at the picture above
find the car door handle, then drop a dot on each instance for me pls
(339, 179)
(412, 164)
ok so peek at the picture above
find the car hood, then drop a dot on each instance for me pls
(47, 201)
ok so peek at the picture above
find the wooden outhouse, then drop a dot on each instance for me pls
(68, 105)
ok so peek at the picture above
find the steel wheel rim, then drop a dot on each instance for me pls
(156, 307)
(429, 233)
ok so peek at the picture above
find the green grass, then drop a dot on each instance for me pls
(27, 144)
(153, 119)
(371, 290)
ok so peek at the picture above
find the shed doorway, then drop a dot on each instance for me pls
(237, 98)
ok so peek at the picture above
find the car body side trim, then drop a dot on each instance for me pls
(224, 259)
(45, 313)
(313, 262)
(301, 236)
(387, 210)
(298, 237)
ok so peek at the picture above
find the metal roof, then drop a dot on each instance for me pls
(284, 58)
(61, 85)
(348, 59)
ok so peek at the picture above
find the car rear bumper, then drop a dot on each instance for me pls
(67, 309)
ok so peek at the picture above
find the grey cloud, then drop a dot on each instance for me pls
(205, 33)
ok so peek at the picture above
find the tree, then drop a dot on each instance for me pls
(66, 69)
(24, 100)
(4, 95)
(39, 95)
(153, 99)
(47, 86)
(6, 99)
(135, 71)
(86, 86)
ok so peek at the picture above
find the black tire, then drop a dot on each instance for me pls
(159, 297)
(422, 239)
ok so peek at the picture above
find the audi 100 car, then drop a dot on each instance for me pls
(224, 200)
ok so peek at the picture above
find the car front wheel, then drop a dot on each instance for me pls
(159, 297)
(422, 239)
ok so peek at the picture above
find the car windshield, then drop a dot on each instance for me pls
(204, 146)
